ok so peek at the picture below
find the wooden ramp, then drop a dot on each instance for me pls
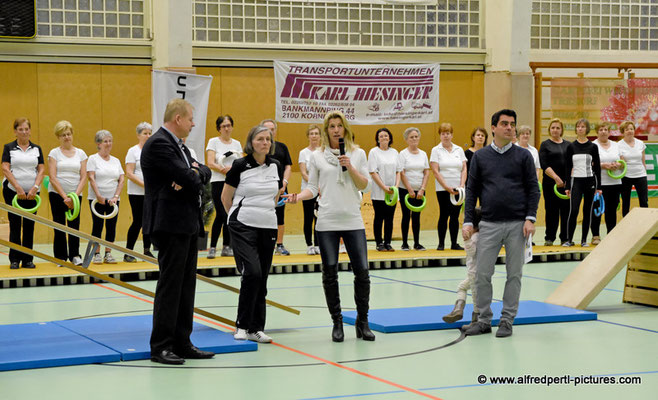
(607, 259)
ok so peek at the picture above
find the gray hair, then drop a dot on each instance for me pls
(248, 147)
(101, 135)
(269, 120)
(407, 131)
(142, 126)
(523, 128)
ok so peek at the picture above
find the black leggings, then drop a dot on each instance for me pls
(642, 193)
(137, 207)
(611, 200)
(220, 216)
(407, 215)
(15, 224)
(60, 248)
(581, 188)
(309, 220)
(557, 212)
(110, 224)
(383, 216)
(447, 211)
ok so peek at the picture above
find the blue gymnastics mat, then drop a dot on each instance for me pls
(411, 319)
(129, 336)
(46, 344)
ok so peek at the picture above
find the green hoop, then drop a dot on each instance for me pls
(14, 203)
(73, 214)
(415, 208)
(558, 194)
(45, 182)
(392, 200)
(623, 171)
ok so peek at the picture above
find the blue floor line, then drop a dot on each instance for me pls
(627, 326)
(423, 286)
(63, 300)
(557, 281)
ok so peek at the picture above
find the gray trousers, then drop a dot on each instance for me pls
(493, 235)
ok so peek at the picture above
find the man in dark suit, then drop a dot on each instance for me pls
(173, 182)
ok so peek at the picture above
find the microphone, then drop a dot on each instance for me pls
(341, 147)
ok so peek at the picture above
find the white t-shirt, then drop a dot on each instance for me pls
(385, 164)
(340, 203)
(68, 169)
(23, 164)
(633, 158)
(107, 175)
(534, 152)
(450, 165)
(304, 157)
(133, 157)
(414, 166)
(216, 145)
(611, 154)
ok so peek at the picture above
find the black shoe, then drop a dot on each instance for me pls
(405, 247)
(456, 246)
(478, 328)
(381, 247)
(337, 334)
(419, 247)
(167, 357)
(129, 259)
(389, 247)
(148, 253)
(14, 265)
(193, 352)
(28, 264)
(363, 330)
(440, 247)
(504, 329)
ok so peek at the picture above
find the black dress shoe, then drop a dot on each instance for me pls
(167, 357)
(193, 352)
(14, 265)
(28, 264)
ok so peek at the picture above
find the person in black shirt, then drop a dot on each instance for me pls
(479, 138)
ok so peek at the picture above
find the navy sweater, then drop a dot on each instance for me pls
(506, 185)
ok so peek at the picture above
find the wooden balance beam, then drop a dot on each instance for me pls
(116, 247)
(609, 257)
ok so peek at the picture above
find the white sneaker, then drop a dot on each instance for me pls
(109, 259)
(259, 337)
(77, 260)
(98, 259)
(342, 249)
(316, 249)
(310, 250)
(240, 334)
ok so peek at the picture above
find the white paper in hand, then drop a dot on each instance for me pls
(528, 249)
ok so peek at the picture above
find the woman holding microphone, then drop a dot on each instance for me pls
(339, 170)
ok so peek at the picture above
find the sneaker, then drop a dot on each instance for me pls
(567, 244)
(129, 259)
(240, 334)
(584, 244)
(342, 249)
(596, 240)
(456, 246)
(109, 259)
(211, 253)
(282, 251)
(440, 247)
(389, 247)
(548, 243)
(381, 247)
(316, 249)
(259, 337)
(15, 265)
(310, 250)
(29, 265)
(419, 247)
(405, 247)
(77, 260)
(98, 259)
(504, 329)
(478, 328)
(227, 251)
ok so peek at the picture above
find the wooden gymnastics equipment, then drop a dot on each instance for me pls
(95, 242)
(634, 239)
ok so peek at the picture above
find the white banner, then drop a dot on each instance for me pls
(167, 85)
(368, 94)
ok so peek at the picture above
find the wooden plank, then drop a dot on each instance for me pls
(641, 296)
(607, 259)
(105, 278)
(651, 247)
(644, 279)
(640, 261)
(124, 250)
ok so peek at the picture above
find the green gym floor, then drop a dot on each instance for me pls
(303, 363)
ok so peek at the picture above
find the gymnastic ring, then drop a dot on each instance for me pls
(221, 159)
(558, 194)
(281, 202)
(619, 204)
(392, 200)
(415, 208)
(45, 182)
(623, 171)
(111, 215)
(73, 214)
(540, 188)
(460, 200)
(601, 208)
(32, 210)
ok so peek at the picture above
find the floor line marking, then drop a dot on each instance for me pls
(423, 286)
(627, 326)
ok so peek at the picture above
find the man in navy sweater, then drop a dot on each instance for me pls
(503, 177)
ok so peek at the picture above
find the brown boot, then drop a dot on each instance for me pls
(457, 313)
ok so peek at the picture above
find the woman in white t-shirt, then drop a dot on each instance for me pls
(385, 173)
(632, 151)
(611, 188)
(340, 178)
(448, 163)
(523, 135)
(220, 153)
(414, 174)
(314, 138)
(106, 179)
(136, 191)
(67, 166)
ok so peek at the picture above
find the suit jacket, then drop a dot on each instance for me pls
(165, 209)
